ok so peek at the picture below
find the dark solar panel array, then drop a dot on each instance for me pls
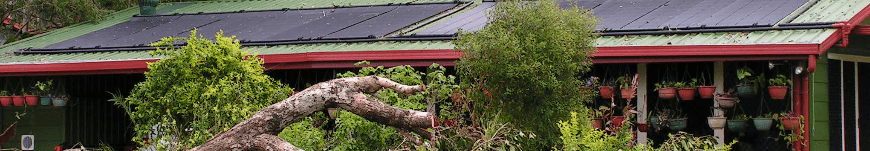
(616, 15)
(278, 25)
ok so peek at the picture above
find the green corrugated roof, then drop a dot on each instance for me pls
(719, 38)
(832, 11)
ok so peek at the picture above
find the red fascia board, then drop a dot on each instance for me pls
(694, 59)
(706, 50)
(861, 30)
(860, 16)
(78, 68)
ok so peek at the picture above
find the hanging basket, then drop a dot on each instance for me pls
(654, 121)
(687, 94)
(790, 123)
(706, 92)
(6, 100)
(777, 92)
(18, 100)
(606, 92)
(716, 122)
(737, 125)
(727, 102)
(677, 124)
(762, 124)
(746, 91)
(627, 92)
(616, 121)
(598, 123)
(643, 127)
(58, 102)
(31, 100)
(667, 93)
(44, 100)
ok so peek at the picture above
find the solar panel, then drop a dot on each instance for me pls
(392, 20)
(274, 25)
(471, 19)
(622, 15)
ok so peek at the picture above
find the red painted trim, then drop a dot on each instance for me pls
(695, 59)
(830, 41)
(707, 50)
(417, 58)
(861, 30)
(860, 16)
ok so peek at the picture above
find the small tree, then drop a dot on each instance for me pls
(198, 91)
(526, 62)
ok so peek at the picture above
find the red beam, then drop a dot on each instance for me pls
(707, 50)
(861, 30)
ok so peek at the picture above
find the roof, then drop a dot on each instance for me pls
(771, 39)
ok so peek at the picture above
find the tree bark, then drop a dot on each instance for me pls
(259, 132)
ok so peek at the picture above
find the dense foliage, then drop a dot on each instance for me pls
(199, 90)
(527, 62)
(352, 132)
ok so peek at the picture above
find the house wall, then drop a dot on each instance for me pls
(46, 123)
(819, 112)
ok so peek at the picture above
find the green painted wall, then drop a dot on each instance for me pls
(819, 129)
(46, 123)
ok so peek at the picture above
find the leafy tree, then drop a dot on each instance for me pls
(198, 91)
(526, 62)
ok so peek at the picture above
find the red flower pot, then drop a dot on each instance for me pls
(706, 92)
(6, 100)
(790, 123)
(777, 92)
(31, 99)
(606, 92)
(643, 127)
(687, 94)
(598, 123)
(18, 100)
(616, 121)
(628, 92)
(667, 93)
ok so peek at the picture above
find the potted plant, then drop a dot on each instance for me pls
(706, 91)
(660, 119)
(763, 121)
(5, 98)
(716, 121)
(666, 90)
(747, 86)
(44, 89)
(727, 100)
(18, 100)
(790, 122)
(793, 124)
(59, 100)
(738, 123)
(597, 120)
(778, 87)
(605, 90)
(626, 86)
(677, 124)
(686, 89)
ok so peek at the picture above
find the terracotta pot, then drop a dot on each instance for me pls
(643, 127)
(18, 100)
(667, 93)
(616, 121)
(627, 92)
(687, 94)
(706, 92)
(727, 102)
(716, 122)
(777, 92)
(31, 100)
(790, 123)
(6, 100)
(598, 123)
(606, 92)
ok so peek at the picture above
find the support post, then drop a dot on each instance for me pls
(641, 100)
(719, 82)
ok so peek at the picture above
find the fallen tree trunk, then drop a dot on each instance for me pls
(259, 132)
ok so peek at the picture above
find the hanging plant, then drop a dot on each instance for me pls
(5, 98)
(705, 91)
(686, 89)
(666, 90)
(627, 86)
(763, 122)
(738, 123)
(778, 88)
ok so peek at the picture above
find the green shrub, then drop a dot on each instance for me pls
(199, 90)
